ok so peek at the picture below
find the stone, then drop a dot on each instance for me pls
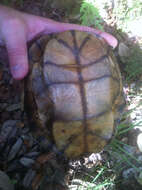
(139, 142)
(5, 183)
(15, 149)
(123, 52)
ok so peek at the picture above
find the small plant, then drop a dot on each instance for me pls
(125, 12)
(133, 64)
(120, 150)
(100, 178)
(90, 14)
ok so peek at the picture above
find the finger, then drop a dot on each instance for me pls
(51, 26)
(111, 40)
(18, 60)
(43, 25)
(15, 41)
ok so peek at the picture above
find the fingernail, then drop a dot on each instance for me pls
(19, 71)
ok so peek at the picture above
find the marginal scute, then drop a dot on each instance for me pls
(75, 90)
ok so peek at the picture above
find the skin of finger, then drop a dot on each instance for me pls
(15, 38)
(7, 15)
(18, 59)
(38, 25)
(43, 25)
(13, 33)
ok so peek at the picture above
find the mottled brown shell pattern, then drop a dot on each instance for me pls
(75, 80)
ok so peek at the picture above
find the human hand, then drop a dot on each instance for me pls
(17, 28)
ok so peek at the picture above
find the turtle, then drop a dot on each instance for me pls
(74, 91)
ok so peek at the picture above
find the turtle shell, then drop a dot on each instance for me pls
(74, 91)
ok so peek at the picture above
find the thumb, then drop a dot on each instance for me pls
(15, 41)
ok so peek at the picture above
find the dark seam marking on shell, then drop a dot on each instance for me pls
(88, 118)
(85, 81)
(66, 45)
(99, 60)
(97, 135)
(70, 141)
(84, 42)
(82, 90)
